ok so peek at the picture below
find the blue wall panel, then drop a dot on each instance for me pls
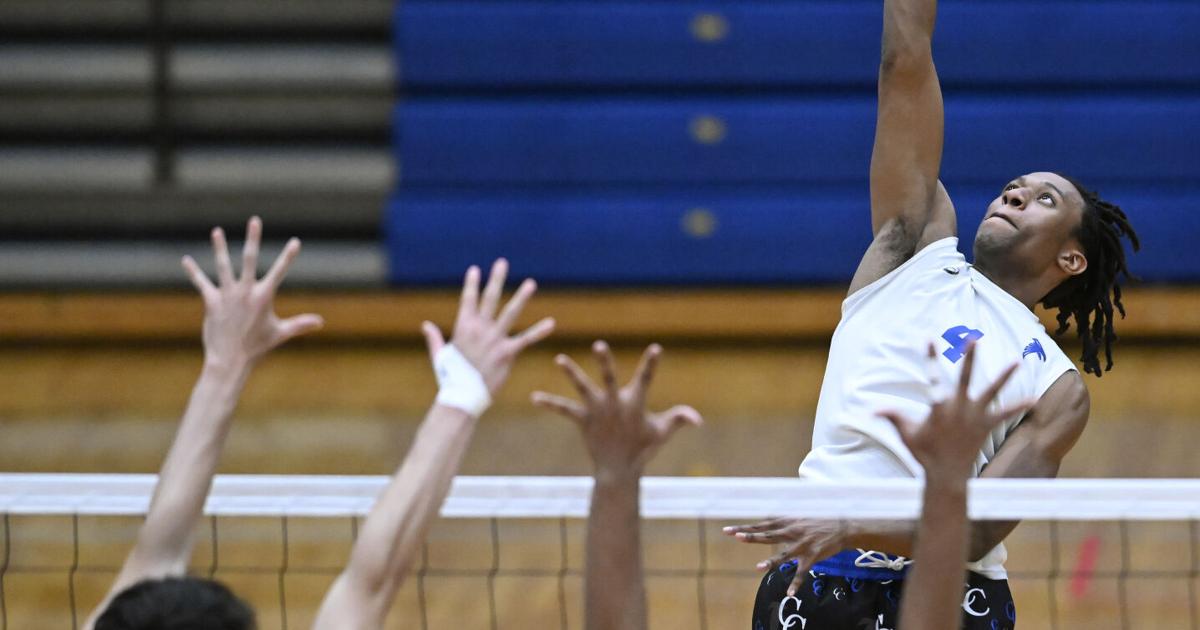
(622, 237)
(555, 44)
(759, 235)
(785, 141)
(575, 136)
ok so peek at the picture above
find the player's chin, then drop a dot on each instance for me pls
(994, 236)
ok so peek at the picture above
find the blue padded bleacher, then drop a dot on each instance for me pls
(554, 44)
(604, 141)
(578, 138)
(622, 237)
(752, 236)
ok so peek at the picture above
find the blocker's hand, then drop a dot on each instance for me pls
(481, 335)
(240, 324)
(620, 433)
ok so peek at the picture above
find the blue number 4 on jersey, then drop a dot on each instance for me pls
(959, 337)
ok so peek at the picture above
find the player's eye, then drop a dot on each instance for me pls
(1010, 187)
(1047, 198)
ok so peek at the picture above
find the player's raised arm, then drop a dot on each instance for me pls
(907, 155)
(621, 437)
(908, 206)
(240, 327)
(470, 369)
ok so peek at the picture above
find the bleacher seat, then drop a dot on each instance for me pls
(153, 120)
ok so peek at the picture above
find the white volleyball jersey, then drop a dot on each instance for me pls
(877, 361)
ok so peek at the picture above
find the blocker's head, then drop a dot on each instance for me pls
(177, 604)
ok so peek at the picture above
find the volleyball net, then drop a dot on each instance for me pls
(509, 552)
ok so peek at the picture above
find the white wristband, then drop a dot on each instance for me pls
(460, 385)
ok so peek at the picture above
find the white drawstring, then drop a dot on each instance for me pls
(876, 560)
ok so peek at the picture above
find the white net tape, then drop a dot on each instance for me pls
(662, 497)
(1090, 553)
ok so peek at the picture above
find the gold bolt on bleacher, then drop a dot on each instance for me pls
(699, 223)
(709, 27)
(707, 129)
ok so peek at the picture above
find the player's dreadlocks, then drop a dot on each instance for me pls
(1092, 294)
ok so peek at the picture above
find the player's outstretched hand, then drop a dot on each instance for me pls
(240, 324)
(481, 335)
(948, 441)
(620, 433)
(805, 541)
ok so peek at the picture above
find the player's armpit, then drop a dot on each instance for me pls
(899, 241)
(907, 155)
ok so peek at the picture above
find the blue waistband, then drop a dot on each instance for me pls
(842, 565)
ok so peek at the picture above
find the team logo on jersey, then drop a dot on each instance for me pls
(959, 338)
(1035, 347)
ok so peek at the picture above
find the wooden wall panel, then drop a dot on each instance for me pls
(106, 399)
(809, 313)
(353, 410)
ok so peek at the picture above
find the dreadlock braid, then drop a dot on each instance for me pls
(1089, 297)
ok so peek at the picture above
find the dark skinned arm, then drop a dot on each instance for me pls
(909, 206)
(621, 436)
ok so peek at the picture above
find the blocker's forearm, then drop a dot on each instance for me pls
(933, 589)
(392, 535)
(615, 593)
(164, 542)
(187, 471)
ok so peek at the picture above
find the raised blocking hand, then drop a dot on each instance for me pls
(240, 324)
(620, 433)
(481, 335)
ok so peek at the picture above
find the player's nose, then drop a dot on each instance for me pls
(1016, 198)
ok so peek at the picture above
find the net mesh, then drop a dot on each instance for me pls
(510, 552)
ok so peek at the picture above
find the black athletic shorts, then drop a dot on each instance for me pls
(867, 599)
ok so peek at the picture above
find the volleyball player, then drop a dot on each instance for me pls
(152, 590)
(240, 328)
(1046, 240)
(621, 438)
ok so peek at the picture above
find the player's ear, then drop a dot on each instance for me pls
(1071, 260)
